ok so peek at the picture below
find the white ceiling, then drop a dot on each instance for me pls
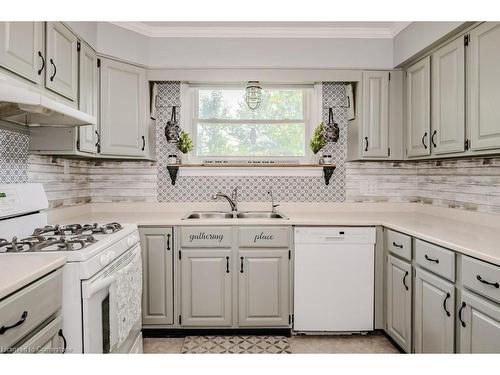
(379, 30)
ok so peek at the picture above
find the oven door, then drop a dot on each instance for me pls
(97, 320)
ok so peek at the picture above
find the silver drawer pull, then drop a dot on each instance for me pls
(496, 285)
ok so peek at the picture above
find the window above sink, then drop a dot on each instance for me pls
(225, 130)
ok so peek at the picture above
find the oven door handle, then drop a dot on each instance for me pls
(97, 286)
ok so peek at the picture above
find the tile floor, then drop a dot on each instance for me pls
(299, 344)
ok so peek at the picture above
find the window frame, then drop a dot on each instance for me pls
(189, 113)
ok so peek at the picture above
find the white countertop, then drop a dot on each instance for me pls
(19, 270)
(470, 233)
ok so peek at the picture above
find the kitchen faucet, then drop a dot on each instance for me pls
(233, 200)
(273, 206)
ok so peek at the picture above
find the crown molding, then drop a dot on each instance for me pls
(264, 32)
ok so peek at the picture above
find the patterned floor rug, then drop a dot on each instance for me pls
(236, 345)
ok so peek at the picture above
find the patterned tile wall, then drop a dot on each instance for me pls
(13, 157)
(285, 188)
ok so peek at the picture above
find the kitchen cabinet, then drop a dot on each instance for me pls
(418, 101)
(479, 324)
(22, 49)
(376, 114)
(434, 327)
(61, 72)
(206, 287)
(264, 294)
(399, 301)
(158, 275)
(376, 131)
(88, 97)
(50, 339)
(123, 113)
(483, 86)
(448, 98)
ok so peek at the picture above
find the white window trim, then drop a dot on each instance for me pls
(313, 111)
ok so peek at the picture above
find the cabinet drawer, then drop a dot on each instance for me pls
(46, 341)
(199, 237)
(481, 277)
(398, 243)
(35, 303)
(436, 259)
(264, 237)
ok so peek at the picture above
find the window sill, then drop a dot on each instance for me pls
(313, 170)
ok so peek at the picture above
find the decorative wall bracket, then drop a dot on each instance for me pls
(328, 173)
(173, 170)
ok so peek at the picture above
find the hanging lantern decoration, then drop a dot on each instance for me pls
(253, 96)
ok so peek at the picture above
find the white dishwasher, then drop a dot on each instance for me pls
(334, 279)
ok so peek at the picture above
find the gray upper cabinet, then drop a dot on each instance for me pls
(448, 98)
(483, 85)
(206, 292)
(434, 328)
(398, 300)
(479, 325)
(264, 293)
(158, 276)
(89, 96)
(22, 49)
(376, 114)
(61, 73)
(418, 100)
(123, 109)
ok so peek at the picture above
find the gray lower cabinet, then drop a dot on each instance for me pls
(264, 296)
(206, 287)
(398, 300)
(158, 276)
(434, 328)
(479, 325)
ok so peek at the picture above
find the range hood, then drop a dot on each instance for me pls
(24, 105)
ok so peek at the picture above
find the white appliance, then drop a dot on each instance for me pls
(25, 105)
(95, 253)
(334, 279)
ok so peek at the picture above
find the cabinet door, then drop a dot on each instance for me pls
(61, 73)
(398, 299)
(418, 104)
(123, 109)
(483, 85)
(434, 314)
(158, 276)
(22, 49)
(376, 114)
(264, 298)
(47, 340)
(206, 293)
(448, 98)
(479, 325)
(89, 90)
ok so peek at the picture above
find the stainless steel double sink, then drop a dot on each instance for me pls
(235, 215)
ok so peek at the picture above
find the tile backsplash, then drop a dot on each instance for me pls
(13, 157)
(470, 183)
(285, 188)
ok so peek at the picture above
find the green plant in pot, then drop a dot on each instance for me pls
(318, 140)
(185, 143)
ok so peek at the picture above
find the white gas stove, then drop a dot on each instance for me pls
(99, 257)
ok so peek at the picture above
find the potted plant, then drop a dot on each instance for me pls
(318, 140)
(185, 143)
